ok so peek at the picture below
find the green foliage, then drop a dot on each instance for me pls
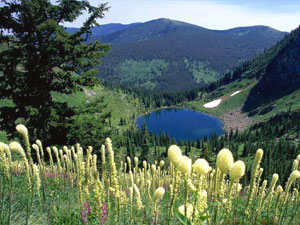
(41, 57)
(141, 73)
(202, 72)
(3, 136)
(183, 220)
(90, 124)
(66, 218)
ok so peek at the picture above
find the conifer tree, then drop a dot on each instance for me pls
(41, 58)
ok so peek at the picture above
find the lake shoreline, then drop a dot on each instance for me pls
(190, 124)
(231, 119)
(181, 107)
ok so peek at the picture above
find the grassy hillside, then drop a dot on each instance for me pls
(120, 105)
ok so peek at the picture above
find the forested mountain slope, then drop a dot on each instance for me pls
(282, 74)
(170, 55)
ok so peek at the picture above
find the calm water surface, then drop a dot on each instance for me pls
(181, 124)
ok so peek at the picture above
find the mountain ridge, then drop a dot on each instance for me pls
(104, 29)
(155, 54)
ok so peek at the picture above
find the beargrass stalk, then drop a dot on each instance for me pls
(87, 165)
(284, 211)
(37, 147)
(270, 194)
(103, 164)
(15, 146)
(294, 175)
(200, 167)
(229, 193)
(256, 212)
(36, 173)
(211, 183)
(153, 169)
(9, 199)
(295, 197)
(136, 168)
(79, 174)
(174, 155)
(129, 163)
(262, 194)
(272, 185)
(5, 162)
(184, 165)
(159, 176)
(24, 132)
(173, 194)
(257, 184)
(39, 143)
(114, 181)
(236, 172)
(57, 161)
(224, 163)
(255, 167)
(185, 195)
(2, 198)
(51, 159)
(157, 195)
(279, 191)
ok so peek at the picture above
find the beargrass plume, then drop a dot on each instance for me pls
(76, 186)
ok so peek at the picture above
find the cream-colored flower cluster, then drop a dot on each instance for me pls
(200, 193)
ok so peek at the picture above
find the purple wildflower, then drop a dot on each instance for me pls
(85, 212)
(103, 214)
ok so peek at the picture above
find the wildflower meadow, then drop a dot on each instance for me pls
(72, 185)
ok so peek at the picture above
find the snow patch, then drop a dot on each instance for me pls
(212, 104)
(234, 93)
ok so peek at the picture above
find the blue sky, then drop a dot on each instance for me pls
(283, 15)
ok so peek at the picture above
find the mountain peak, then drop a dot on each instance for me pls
(171, 22)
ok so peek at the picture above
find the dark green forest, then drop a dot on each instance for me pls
(169, 55)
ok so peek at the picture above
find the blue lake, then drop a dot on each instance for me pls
(181, 124)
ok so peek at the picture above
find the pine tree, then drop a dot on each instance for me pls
(41, 58)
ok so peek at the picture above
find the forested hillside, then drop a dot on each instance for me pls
(170, 55)
(282, 74)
